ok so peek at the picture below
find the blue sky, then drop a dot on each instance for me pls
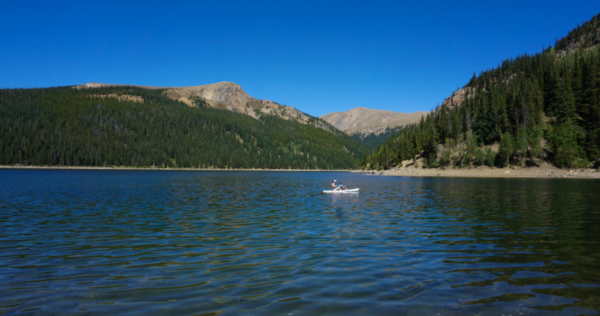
(317, 56)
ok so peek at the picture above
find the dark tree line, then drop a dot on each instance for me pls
(542, 106)
(584, 35)
(69, 127)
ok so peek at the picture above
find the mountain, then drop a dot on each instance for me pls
(367, 121)
(226, 96)
(372, 127)
(532, 108)
(125, 125)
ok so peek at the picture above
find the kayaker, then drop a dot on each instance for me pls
(340, 187)
(333, 184)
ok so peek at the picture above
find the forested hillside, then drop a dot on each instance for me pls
(137, 127)
(529, 109)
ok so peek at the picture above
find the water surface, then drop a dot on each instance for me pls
(271, 243)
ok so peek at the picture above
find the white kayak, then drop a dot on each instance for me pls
(341, 191)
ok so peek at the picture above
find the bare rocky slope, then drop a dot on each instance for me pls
(227, 96)
(367, 121)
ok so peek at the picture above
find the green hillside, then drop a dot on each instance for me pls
(535, 107)
(69, 127)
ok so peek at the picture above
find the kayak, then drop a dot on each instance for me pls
(341, 191)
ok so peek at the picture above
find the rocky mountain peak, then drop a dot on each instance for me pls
(223, 95)
(364, 120)
(230, 96)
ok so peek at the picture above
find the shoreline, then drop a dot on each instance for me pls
(544, 171)
(160, 169)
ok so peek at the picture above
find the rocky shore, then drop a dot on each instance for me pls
(543, 171)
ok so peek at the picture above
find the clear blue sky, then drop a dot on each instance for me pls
(317, 56)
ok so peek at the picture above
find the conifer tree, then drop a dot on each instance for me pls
(506, 149)
(562, 142)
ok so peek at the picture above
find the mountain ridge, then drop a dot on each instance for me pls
(225, 95)
(100, 125)
(365, 121)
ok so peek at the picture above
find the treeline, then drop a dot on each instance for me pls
(584, 35)
(542, 106)
(69, 127)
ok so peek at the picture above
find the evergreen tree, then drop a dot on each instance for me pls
(490, 157)
(431, 151)
(479, 157)
(534, 142)
(564, 107)
(506, 149)
(563, 145)
(521, 143)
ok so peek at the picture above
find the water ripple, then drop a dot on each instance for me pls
(270, 243)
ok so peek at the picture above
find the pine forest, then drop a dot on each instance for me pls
(136, 127)
(529, 109)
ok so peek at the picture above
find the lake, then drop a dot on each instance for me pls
(271, 243)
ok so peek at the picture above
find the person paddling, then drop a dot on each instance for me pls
(333, 184)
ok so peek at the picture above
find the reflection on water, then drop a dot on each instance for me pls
(271, 243)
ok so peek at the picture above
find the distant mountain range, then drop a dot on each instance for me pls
(363, 124)
(368, 121)
(371, 127)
